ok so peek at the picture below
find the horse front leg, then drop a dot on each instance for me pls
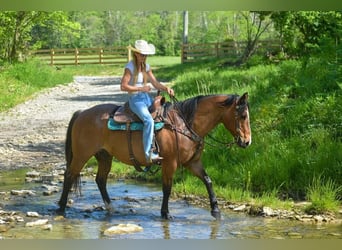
(168, 171)
(165, 214)
(198, 170)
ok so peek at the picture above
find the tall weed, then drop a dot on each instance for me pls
(324, 195)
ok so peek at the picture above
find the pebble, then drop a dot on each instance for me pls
(32, 214)
(295, 235)
(47, 227)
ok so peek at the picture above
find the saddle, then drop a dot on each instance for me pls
(125, 115)
(126, 119)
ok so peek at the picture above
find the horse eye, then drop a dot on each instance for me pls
(244, 116)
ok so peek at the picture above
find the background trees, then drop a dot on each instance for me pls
(300, 32)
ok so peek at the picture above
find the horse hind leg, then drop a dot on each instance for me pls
(104, 160)
(71, 179)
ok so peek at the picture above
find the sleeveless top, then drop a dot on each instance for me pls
(139, 79)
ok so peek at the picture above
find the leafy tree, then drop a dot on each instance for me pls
(302, 32)
(15, 32)
(55, 31)
(257, 23)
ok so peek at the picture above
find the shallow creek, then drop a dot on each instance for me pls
(138, 204)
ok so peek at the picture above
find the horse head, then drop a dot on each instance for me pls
(240, 125)
(243, 131)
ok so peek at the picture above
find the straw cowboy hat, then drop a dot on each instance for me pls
(142, 47)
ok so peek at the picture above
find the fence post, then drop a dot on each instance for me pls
(52, 53)
(76, 56)
(129, 54)
(101, 56)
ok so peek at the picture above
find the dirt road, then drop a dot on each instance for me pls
(33, 133)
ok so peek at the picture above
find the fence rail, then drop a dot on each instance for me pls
(119, 55)
(198, 51)
(76, 56)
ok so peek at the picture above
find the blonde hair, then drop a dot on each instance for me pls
(143, 69)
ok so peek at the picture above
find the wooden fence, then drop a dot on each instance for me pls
(77, 56)
(194, 52)
(119, 55)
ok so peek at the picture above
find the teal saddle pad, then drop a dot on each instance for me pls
(112, 125)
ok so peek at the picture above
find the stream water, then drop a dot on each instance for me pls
(139, 204)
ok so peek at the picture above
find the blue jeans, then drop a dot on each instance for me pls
(139, 104)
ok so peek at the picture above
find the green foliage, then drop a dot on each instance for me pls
(19, 81)
(323, 195)
(296, 126)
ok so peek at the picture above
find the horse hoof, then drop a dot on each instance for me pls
(60, 211)
(167, 216)
(216, 214)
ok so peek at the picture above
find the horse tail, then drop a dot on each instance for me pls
(68, 141)
(68, 149)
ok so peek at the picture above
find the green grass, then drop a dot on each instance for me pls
(323, 195)
(296, 125)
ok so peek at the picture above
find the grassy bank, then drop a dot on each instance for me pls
(296, 119)
(296, 122)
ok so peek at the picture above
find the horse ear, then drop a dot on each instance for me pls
(243, 99)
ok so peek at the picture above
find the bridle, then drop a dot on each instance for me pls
(190, 133)
(238, 110)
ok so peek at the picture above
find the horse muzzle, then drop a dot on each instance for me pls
(243, 143)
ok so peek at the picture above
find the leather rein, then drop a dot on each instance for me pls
(190, 133)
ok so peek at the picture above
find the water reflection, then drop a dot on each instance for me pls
(139, 204)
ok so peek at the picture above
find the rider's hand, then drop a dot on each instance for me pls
(146, 88)
(170, 91)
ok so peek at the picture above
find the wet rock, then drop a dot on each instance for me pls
(33, 174)
(235, 233)
(59, 218)
(47, 227)
(295, 235)
(123, 229)
(32, 214)
(4, 228)
(23, 192)
(318, 218)
(47, 178)
(335, 234)
(255, 210)
(8, 217)
(37, 223)
(50, 190)
(240, 208)
(267, 211)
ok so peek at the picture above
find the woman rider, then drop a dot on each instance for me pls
(134, 81)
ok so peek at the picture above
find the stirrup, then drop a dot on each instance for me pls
(155, 157)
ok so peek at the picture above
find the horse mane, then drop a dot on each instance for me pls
(188, 107)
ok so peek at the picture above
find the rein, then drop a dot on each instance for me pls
(195, 137)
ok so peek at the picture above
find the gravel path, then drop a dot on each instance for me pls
(33, 133)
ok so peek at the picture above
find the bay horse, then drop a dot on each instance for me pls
(181, 142)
